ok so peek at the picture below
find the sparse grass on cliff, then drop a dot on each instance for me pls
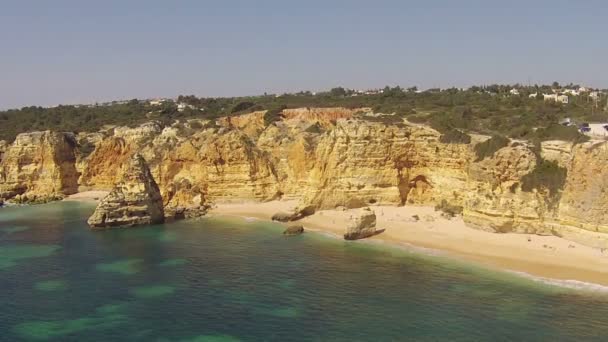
(560, 132)
(272, 115)
(454, 136)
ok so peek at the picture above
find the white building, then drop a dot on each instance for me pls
(156, 102)
(556, 97)
(514, 91)
(598, 130)
(182, 106)
(571, 92)
(594, 95)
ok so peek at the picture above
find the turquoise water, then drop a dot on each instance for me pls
(233, 280)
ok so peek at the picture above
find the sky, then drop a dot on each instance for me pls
(81, 51)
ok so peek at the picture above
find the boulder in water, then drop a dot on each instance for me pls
(294, 230)
(282, 217)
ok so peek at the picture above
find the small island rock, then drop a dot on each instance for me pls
(294, 230)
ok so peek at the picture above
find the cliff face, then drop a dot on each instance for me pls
(494, 199)
(217, 166)
(38, 167)
(324, 157)
(360, 163)
(583, 203)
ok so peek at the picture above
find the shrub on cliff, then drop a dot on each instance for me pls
(86, 148)
(273, 115)
(241, 106)
(548, 176)
(490, 146)
(560, 132)
(454, 136)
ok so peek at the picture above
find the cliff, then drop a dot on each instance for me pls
(39, 167)
(326, 158)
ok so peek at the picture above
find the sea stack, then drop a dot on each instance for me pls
(135, 200)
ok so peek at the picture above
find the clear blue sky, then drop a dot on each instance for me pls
(80, 51)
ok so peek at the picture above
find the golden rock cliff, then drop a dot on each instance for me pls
(326, 158)
(38, 167)
(361, 163)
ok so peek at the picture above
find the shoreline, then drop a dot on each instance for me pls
(548, 259)
(87, 196)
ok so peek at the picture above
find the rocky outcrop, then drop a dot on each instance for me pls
(294, 230)
(39, 167)
(362, 225)
(282, 217)
(251, 124)
(135, 200)
(3, 147)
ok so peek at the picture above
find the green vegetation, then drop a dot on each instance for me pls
(273, 115)
(490, 146)
(487, 110)
(454, 136)
(546, 176)
(449, 210)
(559, 132)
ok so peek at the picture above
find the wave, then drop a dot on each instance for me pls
(563, 283)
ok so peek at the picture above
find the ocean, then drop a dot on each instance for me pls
(232, 279)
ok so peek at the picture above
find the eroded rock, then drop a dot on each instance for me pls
(362, 225)
(294, 230)
(135, 200)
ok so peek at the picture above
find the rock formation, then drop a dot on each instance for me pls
(135, 200)
(294, 230)
(362, 225)
(325, 158)
(39, 167)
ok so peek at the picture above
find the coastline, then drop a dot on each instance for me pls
(551, 259)
(87, 196)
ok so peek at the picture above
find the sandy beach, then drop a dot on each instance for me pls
(543, 256)
(87, 196)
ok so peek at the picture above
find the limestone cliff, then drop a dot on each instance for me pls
(135, 200)
(220, 166)
(361, 163)
(3, 147)
(494, 199)
(38, 167)
(324, 157)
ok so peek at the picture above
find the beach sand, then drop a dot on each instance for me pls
(542, 256)
(87, 196)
